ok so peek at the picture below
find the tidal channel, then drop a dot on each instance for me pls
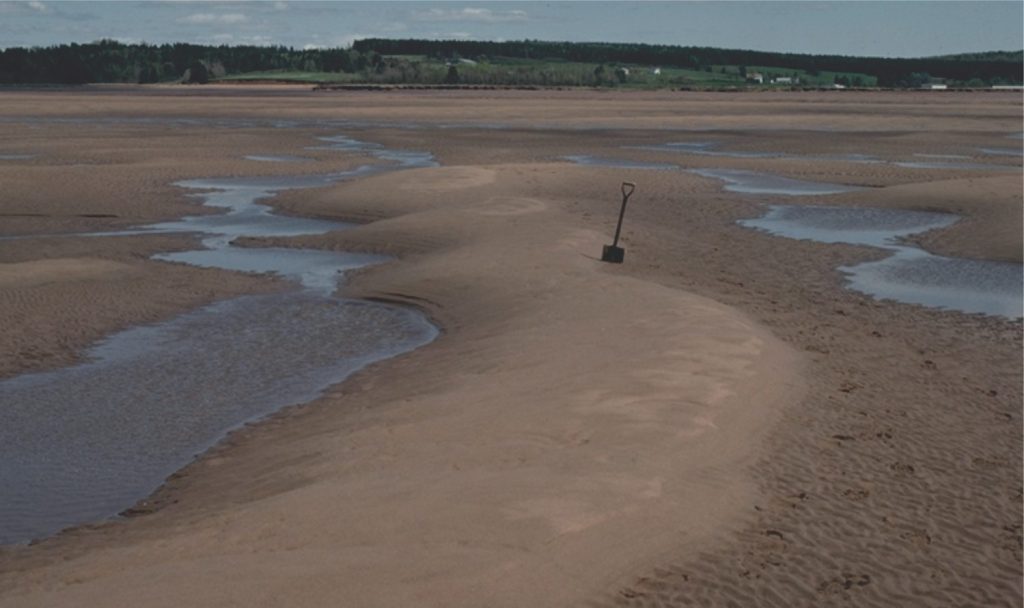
(83, 443)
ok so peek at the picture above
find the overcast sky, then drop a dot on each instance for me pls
(886, 28)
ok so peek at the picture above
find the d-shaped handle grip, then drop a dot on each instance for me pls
(627, 189)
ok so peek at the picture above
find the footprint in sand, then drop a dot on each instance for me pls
(902, 469)
(841, 584)
(856, 493)
(917, 536)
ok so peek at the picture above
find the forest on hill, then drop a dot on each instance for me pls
(890, 72)
(112, 61)
(1011, 56)
(526, 62)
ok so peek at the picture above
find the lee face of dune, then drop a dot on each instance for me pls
(717, 419)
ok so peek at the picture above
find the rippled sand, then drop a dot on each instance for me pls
(715, 420)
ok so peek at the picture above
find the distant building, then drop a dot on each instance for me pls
(1007, 87)
(931, 86)
(757, 77)
(785, 80)
(836, 85)
(656, 71)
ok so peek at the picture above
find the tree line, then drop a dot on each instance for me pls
(995, 68)
(112, 61)
(373, 60)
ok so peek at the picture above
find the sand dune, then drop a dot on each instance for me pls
(716, 420)
(511, 454)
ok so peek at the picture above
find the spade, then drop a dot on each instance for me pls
(613, 253)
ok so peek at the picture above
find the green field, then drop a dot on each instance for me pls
(294, 76)
(822, 78)
(498, 71)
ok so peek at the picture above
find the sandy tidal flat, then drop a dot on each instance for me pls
(716, 420)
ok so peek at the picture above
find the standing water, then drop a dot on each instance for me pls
(615, 163)
(85, 442)
(752, 182)
(910, 274)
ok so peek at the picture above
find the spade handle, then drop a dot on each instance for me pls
(627, 189)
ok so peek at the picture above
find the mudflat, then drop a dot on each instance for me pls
(716, 420)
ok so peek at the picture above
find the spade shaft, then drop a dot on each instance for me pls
(613, 253)
(627, 190)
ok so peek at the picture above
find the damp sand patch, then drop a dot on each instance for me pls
(1002, 151)
(953, 164)
(706, 148)
(280, 158)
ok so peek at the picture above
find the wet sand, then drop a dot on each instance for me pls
(716, 420)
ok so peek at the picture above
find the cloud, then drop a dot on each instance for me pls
(347, 40)
(255, 40)
(64, 11)
(204, 18)
(478, 15)
(392, 27)
(280, 5)
(227, 38)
